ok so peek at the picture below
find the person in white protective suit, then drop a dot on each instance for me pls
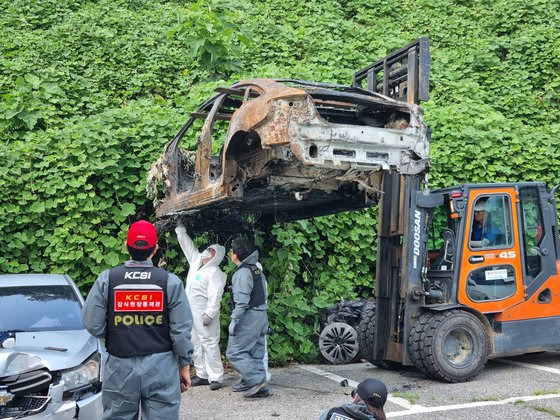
(205, 286)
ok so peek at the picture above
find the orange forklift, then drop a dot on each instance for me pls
(464, 273)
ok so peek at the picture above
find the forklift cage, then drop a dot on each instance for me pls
(403, 75)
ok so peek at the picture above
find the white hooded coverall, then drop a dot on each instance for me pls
(204, 289)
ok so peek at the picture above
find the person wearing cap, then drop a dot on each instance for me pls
(205, 286)
(249, 321)
(483, 233)
(369, 399)
(143, 314)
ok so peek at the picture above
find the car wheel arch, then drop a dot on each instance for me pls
(240, 143)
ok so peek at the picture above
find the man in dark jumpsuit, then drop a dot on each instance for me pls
(249, 321)
(144, 315)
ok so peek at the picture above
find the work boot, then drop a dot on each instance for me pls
(251, 392)
(197, 381)
(239, 387)
(215, 385)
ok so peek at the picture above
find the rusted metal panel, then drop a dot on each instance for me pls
(267, 106)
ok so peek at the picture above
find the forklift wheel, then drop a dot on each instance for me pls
(365, 332)
(454, 346)
(366, 336)
(416, 342)
(338, 343)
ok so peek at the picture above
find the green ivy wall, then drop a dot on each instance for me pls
(92, 90)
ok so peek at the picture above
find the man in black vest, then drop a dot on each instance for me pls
(249, 321)
(369, 399)
(144, 315)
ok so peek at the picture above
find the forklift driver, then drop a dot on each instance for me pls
(483, 232)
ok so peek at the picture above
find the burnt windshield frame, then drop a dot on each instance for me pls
(39, 308)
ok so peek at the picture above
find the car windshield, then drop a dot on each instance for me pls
(39, 308)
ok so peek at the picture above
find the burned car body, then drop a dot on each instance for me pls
(293, 149)
(49, 364)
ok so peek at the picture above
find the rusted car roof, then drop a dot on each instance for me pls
(293, 149)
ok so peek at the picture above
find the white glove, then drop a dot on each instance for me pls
(206, 320)
(231, 328)
(485, 242)
(180, 228)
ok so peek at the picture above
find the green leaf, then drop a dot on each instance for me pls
(112, 258)
(127, 209)
(33, 80)
(29, 118)
(37, 207)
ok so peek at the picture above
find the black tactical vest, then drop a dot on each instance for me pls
(137, 312)
(258, 294)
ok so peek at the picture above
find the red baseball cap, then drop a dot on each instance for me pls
(142, 235)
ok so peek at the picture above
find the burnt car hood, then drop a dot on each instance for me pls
(54, 350)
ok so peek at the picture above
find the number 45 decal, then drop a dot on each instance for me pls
(508, 254)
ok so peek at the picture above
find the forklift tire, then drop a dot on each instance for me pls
(366, 337)
(453, 345)
(416, 340)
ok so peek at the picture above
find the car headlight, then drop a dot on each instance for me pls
(85, 374)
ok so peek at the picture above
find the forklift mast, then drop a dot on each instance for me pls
(402, 225)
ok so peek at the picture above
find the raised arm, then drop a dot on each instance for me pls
(186, 243)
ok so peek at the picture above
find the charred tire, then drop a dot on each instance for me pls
(366, 337)
(453, 345)
(338, 343)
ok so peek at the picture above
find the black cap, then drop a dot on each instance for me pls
(373, 392)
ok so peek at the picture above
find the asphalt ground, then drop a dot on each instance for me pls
(523, 387)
